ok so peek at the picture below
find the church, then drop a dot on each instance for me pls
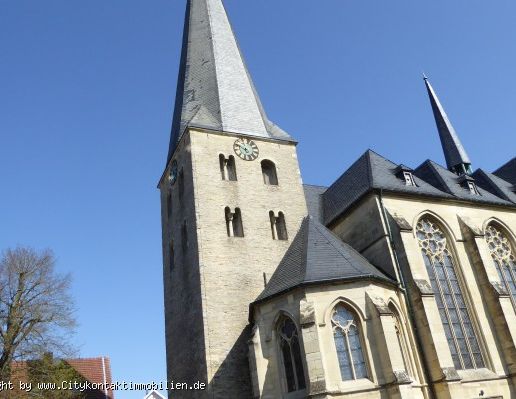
(392, 283)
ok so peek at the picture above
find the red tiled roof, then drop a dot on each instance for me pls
(95, 370)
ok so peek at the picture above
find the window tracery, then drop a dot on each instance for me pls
(291, 355)
(458, 328)
(348, 343)
(503, 258)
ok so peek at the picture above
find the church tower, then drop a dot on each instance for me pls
(231, 201)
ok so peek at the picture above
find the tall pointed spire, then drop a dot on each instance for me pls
(214, 89)
(456, 158)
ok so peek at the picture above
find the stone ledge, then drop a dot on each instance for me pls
(499, 289)
(424, 287)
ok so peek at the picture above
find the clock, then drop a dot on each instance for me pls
(173, 173)
(246, 149)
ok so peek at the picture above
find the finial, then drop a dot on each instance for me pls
(425, 77)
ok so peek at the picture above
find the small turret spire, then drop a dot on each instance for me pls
(456, 157)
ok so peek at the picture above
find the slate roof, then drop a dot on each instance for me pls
(507, 171)
(316, 256)
(495, 185)
(449, 182)
(454, 152)
(214, 88)
(313, 197)
(370, 172)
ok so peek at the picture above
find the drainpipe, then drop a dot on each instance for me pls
(410, 309)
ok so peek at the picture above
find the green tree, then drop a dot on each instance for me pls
(48, 370)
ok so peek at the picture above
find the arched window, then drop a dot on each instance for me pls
(278, 226)
(402, 342)
(290, 352)
(181, 185)
(169, 203)
(269, 173)
(348, 343)
(184, 237)
(460, 334)
(227, 168)
(171, 257)
(234, 225)
(504, 259)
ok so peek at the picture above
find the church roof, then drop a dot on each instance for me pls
(373, 172)
(313, 197)
(214, 88)
(495, 185)
(450, 183)
(316, 256)
(370, 172)
(507, 171)
(454, 152)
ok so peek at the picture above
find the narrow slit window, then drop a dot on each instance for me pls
(169, 203)
(171, 257)
(270, 176)
(234, 225)
(278, 226)
(227, 168)
(184, 237)
(181, 185)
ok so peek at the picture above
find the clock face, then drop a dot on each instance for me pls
(173, 173)
(246, 149)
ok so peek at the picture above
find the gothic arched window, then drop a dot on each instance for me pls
(460, 334)
(348, 343)
(504, 259)
(269, 173)
(402, 342)
(290, 351)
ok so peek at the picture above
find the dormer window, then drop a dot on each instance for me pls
(409, 179)
(473, 188)
(469, 184)
(405, 173)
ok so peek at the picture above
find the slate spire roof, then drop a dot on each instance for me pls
(457, 159)
(214, 89)
(317, 256)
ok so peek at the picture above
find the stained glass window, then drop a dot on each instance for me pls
(348, 343)
(291, 355)
(454, 314)
(504, 259)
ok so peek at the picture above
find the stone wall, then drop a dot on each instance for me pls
(225, 274)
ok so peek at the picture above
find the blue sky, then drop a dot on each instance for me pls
(86, 95)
